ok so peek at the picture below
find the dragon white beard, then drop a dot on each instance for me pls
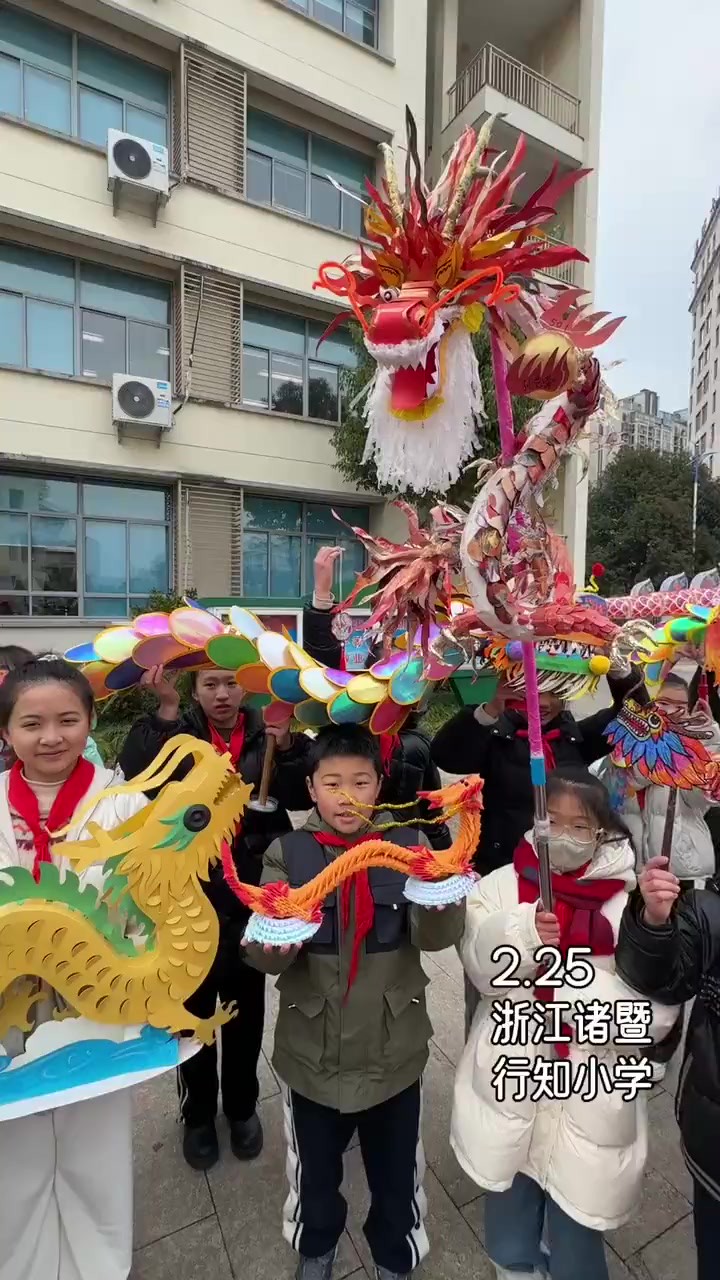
(428, 455)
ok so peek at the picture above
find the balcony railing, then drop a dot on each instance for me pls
(566, 270)
(497, 70)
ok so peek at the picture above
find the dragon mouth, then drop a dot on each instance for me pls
(414, 366)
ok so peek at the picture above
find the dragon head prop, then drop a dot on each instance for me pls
(440, 262)
(667, 753)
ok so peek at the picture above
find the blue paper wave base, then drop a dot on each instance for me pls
(87, 1062)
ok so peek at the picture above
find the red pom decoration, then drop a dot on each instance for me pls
(598, 570)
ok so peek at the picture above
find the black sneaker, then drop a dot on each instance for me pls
(200, 1146)
(246, 1138)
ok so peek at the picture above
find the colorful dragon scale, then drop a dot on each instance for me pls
(62, 933)
(666, 754)
(442, 262)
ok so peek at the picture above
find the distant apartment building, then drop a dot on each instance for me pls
(704, 413)
(644, 425)
(605, 429)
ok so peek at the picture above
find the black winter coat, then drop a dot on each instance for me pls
(502, 759)
(672, 965)
(411, 768)
(288, 786)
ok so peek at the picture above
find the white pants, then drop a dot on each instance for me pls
(66, 1192)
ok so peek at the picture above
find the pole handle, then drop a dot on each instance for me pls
(268, 761)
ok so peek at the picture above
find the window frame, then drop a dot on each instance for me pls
(306, 359)
(78, 307)
(305, 537)
(78, 80)
(80, 595)
(307, 10)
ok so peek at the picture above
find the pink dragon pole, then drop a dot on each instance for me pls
(538, 774)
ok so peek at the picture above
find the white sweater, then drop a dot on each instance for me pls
(588, 1155)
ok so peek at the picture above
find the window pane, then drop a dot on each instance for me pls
(255, 565)
(13, 553)
(13, 531)
(148, 557)
(337, 349)
(11, 329)
(54, 606)
(123, 502)
(18, 606)
(259, 178)
(103, 345)
(255, 377)
(53, 570)
(146, 124)
(323, 392)
(50, 338)
(98, 113)
(319, 519)
(329, 11)
(352, 216)
(359, 24)
(35, 40)
(29, 271)
(284, 565)
(274, 330)
(119, 73)
(272, 513)
(47, 532)
(324, 202)
(47, 100)
(137, 296)
(148, 351)
(345, 165)
(105, 557)
(105, 608)
(10, 86)
(289, 188)
(35, 493)
(275, 137)
(286, 378)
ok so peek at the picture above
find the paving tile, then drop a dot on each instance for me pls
(632, 1269)
(661, 1206)
(449, 960)
(267, 1079)
(672, 1255)
(249, 1198)
(446, 1006)
(437, 1109)
(185, 1255)
(168, 1195)
(665, 1154)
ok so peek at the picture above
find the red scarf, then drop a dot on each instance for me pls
(577, 904)
(551, 736)
(236, 743)
(389, 743)
(364, 902)
(22, 799)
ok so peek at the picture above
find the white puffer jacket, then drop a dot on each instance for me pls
(588, 1155)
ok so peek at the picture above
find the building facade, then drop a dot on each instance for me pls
(263, 106)
(646, 426)
(539, 66)
(704, 416)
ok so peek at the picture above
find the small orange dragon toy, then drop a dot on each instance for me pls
(285, 916)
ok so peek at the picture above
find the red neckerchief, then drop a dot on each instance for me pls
(389, 743)
(22, 799)
(577, 905)
(236, 743)
(364, 902)
(551, 736)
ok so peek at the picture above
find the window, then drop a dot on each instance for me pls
(70, 317)
(52, 77)
(292, 169)
(357, 18)
(281, 539)
(70, 548)
(284, 370)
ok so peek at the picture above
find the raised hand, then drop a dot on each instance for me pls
(162, 684)
(659, 889)
(324, 570)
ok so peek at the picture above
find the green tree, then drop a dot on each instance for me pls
(350, 436)
(640, 519)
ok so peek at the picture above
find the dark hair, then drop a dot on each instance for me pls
(13, 655)
(344, 741)
(593, 796)
(678, 681)
(41, 671)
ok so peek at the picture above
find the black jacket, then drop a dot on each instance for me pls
(411, 768)
(287, 786)
(502, 759)
(672, 965)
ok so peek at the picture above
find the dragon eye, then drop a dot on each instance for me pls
(389, 294)
(197, 818)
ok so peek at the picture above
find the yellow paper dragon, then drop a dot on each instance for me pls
(66, 935)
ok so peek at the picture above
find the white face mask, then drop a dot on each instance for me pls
(567, 853)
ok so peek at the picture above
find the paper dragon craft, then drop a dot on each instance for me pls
(675, 595)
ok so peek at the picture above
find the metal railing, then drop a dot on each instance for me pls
(499, 71)
(566, 270)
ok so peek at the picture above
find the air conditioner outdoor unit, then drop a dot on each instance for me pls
(144, 403)
(138, 164)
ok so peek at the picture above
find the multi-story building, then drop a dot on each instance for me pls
(704, 414)
(539, 66)
(604, 434)
(646, 426)
(264, 107)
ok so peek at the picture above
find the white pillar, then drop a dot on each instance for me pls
(442, 72)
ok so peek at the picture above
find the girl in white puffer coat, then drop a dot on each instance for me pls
(560, 1165)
